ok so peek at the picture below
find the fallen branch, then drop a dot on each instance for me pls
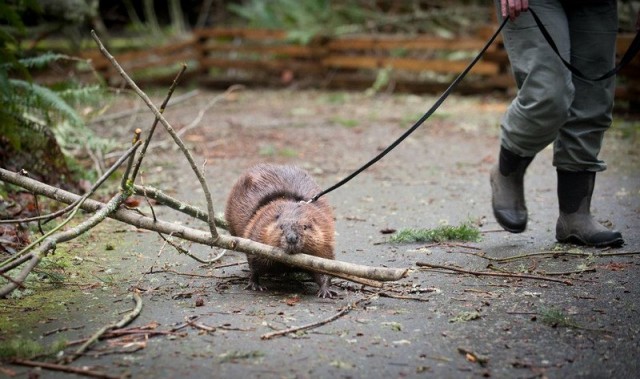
(83, 371)
(499, 274)
(97, 335)
(130, 112)
(186, 252)
(169, 129)
(33, 255)
(346, 309)
(50, 242)
(175, 204)
(303, 261)
(191, 321)
(553, 254)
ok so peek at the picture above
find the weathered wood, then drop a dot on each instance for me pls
(409, 64)
(260, 53)
(376, 42)
(257, 34)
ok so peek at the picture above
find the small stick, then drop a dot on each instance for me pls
(163, 106)
(186, 252)
(402, 297)
(192, 322)
(74, 204)
(64, 368)
(559, 253)
(169, 129)
(500, 274)
(184, 274)
(125, 177)
(177, 205)
(312, 325)
(124, 321)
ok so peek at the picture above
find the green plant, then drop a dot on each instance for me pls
(463, 232)
(39, 125)
(554, 318)
(27, 348)
(303, 19)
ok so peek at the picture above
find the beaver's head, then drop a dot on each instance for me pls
(298, 227)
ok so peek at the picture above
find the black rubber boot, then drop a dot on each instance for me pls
(575, 224)
(507, 191)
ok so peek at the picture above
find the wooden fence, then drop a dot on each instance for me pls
(257, 57)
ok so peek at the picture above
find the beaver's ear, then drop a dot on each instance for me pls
(250, 180)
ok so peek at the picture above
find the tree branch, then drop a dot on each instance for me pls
(303, 261)
(169, 129)
(500, 274)
(177, 205)
(97, 335)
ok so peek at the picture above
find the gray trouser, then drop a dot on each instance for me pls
(552, 105)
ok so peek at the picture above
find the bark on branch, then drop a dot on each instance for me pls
(348, 271)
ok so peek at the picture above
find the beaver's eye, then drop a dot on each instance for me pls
(277, 216)
(306, 226)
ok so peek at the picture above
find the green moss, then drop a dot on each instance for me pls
(25, 348)
(554, 318)
(463, 232)
(54, 285)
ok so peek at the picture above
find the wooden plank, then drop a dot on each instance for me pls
(158, 62)
(409, 64)
(404, 43)
(269, 65)
(158, 51)
(257, 34)
(288, 50)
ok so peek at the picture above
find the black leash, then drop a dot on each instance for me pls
(628, 56)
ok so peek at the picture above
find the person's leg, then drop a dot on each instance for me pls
(593, 30)
(532, 121)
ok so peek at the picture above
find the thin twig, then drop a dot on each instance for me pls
(554, 253)
(196, 121)
(125, 177)
(77, 207)
(561, 273)
(170, 130)
(186, 252)
(500, 274)
(97, 335)
(129, 112)
(346, 309)
(184, 274)
(191, 321)
(401, 297)
(177, 205)
(163, 106)
(83, 371)
(93, 188)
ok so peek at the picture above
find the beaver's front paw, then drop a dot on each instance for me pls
(255, 286)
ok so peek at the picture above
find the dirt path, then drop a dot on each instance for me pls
(448, 325)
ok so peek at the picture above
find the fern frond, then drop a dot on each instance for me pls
(83, 94)
(43, 60)
(47, 99)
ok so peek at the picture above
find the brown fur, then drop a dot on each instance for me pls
(265, 206)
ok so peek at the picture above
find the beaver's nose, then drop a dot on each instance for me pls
(292, 238)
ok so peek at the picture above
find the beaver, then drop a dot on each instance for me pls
(268, 204)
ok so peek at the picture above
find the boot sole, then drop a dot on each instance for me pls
(573, 239)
